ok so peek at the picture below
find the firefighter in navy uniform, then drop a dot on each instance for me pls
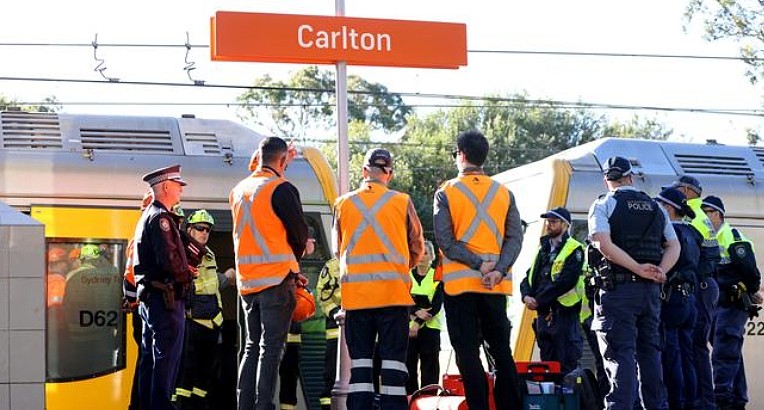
(425, 324)
(707, 292)
(553, 287)
(329, 298)
(203, 320)
(739, 280)
(163, 275)
(638, 245)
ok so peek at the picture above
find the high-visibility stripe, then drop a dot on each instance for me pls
(369, 277)
(481, 207)
(369, 221)
(333, 333)
(199, 392)
(183, 392)
(392, 390)
(362, 388)
(285, 406)
(360, 363)
(394, 365)
(257, 283)
(294, 338)
(260, 259)
(325, 401)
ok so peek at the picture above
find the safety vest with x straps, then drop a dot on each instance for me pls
(263, 255)
(373, 249)
(478, 207)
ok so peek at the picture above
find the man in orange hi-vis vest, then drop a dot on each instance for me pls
(479, 232)
(269, 236)
(379, 239)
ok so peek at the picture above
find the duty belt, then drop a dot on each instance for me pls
(630, 277)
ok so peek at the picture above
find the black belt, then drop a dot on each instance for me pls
(630, 277)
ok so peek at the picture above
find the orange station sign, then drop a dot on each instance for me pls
(290, 38)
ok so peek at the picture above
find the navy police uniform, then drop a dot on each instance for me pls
(161, 272)
(739, 279)
(626, 316)
(678, 311)
(554, 280)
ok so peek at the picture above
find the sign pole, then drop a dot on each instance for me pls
(340, 392)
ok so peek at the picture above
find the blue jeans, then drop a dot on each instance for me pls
(706, 298)
(162, 347)
(626, 320)
(729, 374)
(267, 315)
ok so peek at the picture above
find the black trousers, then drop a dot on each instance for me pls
(198, 370)
(289, 373)
(330, 365)
(473, 318)
(424, 349)
(390, 326)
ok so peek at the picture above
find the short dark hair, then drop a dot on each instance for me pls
(474, 145)
(271, 149)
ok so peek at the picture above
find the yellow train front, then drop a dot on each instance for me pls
(80, 176)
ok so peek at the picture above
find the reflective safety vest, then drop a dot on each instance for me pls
(572, 296)
(373, 248)
(586, 311)
(726, 237)
(263, 255)
(207, 292)
(427, 288)
(478, 206)
(702, 223)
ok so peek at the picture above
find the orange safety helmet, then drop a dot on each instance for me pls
(306, 305)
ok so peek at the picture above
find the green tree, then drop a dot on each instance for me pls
(305, 104)
(51, 105)
(739, 20)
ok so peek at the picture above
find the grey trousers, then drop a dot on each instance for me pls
(267, 315)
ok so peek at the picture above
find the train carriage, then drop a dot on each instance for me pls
(80, 176)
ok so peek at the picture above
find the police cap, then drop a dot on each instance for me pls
(688, 182)
(559, 213)
(617, 168)
(715, 203)
(171, 173)
(677, 200)
(379, 158)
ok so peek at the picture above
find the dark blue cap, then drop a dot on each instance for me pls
(617, 168)
(171, 173)
(379, 158)
(559, 213)
(687, 182)
(715, 203)
(677, 200)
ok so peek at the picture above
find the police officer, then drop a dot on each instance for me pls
(629, 229)
(163, 275)
(707, 292)
(379, 239)
(679, 311)
(329, 299)
(425, 325)
(739, 280)
(204, 319)
(553, 287)
(479, 232)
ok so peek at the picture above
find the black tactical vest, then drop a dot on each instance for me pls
(636, 226)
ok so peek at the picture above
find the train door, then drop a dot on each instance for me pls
(87, 349)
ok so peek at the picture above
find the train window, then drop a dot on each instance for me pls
(580, 230)
(85, 325)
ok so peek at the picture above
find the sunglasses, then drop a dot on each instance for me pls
(454, 152)
(201, 228)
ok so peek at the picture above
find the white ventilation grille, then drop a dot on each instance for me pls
(30, 130)
(147, 141)
(206, 142)
(713, 164)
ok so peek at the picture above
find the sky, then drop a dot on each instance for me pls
(600, 26)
